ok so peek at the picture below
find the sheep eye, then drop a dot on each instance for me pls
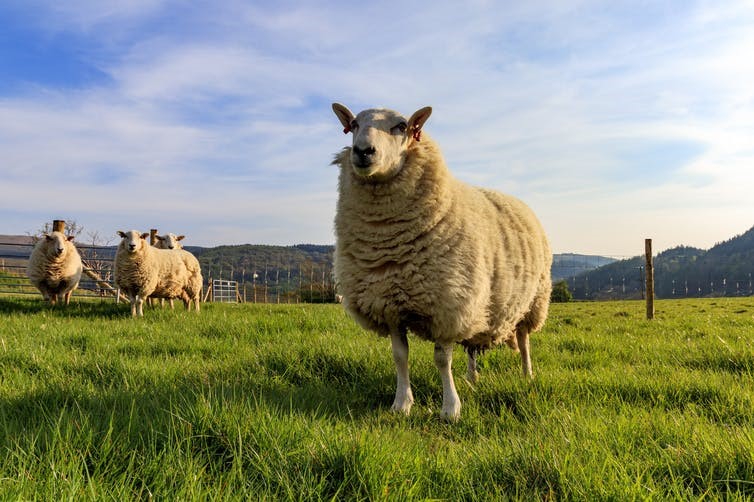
(399, 129)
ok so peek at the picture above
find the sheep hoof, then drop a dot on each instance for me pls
(402, 405)
(472, 377)
(451, 413)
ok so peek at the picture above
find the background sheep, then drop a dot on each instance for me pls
(168, 241)
(55, 267)
(417, 250)
(142, 270)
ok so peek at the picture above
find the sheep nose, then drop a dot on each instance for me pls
(170, 247)
(132, 246)
(364, 156)
(59, 250)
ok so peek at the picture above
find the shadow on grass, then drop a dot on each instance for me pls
(93, 309)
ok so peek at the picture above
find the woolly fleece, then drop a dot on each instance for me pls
(55, 275)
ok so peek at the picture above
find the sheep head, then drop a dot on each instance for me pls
(170, 241)
(57, 243)
(380, 139)
(132, 241)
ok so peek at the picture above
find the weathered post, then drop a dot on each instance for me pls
(58, 226)
(650, 279)
(152, 236)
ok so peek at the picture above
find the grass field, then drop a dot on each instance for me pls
(292, 402)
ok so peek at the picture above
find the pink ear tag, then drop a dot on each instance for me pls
(346, 130)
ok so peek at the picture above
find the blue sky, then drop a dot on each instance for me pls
(615, 121)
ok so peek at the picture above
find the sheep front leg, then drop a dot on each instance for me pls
(132, 299)
(138, 306)
(404, 398)
(451, 404)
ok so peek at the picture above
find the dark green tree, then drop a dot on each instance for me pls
(560, 293)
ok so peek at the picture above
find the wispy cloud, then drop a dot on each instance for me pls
(614, 121)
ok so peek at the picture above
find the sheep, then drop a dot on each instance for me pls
(168, 241)
(142, 270)
(417, 250)
(55, 267)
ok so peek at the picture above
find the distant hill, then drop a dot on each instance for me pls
(724, 270)
(570, 265)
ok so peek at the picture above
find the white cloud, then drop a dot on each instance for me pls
(229, 104)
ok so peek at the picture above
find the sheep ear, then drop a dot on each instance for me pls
(48, 237)
(70, 238)
(121, 233)
(144, 235)
(344, 115)
(180, 237)
(417, 120)
(159, 237)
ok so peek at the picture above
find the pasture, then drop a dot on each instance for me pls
(292, 402)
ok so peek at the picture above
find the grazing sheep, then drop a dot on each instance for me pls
(417, 250)
(142, 270)
(55, 267)
(168, 241)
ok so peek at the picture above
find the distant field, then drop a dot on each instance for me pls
(292, 402)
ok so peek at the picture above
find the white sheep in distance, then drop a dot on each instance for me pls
(55, 267)
(417, 250)
(142, 270)
(168, 241)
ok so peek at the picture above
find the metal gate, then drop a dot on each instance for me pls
(224, 291)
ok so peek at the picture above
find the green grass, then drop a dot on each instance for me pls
(292, 402)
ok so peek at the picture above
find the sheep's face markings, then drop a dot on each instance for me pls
(170, 241)
(379, 144)
(56, 244)
(132, 240)
(380, 139)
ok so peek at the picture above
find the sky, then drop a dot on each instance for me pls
(615, 121)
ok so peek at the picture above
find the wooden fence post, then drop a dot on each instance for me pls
(58, 226)
(650, 279)
(152, 236)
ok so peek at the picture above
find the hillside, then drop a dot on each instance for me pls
(569, 264)
(724, 270)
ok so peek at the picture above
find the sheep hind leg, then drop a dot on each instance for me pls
(451, 404)
(522, 339)
(472, 373)
(404, 398)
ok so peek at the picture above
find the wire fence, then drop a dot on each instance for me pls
(587, 277)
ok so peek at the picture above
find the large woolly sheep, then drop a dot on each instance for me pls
(142, 270)
(417, 250)
(55, 267)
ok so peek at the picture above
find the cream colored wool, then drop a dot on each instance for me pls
(419, 251)
(142, 270)
(55, 267)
